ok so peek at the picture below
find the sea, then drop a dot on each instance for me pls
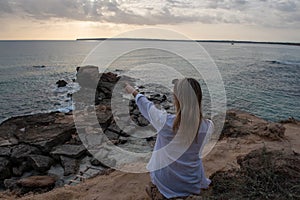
(263, 79)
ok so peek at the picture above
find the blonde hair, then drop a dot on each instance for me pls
(188, 104)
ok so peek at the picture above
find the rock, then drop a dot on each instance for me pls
(111, 135)
(239, 123)
(108, 162)
(109, 77)
(291, 120)
(136, 112)
(276, 129)
(87, 76)
(61, 83)
(45, 130)
(114, 128)
(40, 163)
(105, 88)
(95, 162)
(5, 169)
(142, 121)
(122, 140)
(21, 152)
(5, 151)
(10, 184)
(20, 168)
(73, 151)
(104, 116)
(33, 182)
(70, 165)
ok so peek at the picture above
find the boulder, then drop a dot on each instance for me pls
(21, 152)
(61, 83)
(105, 88)
(73, 151)
(4, 169)
(87, 76)
(45, 130)
(109, 77)
(70, 165)
(40, 163)
(239, 123)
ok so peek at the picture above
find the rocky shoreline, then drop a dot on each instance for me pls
(43, 151)
(47, 147)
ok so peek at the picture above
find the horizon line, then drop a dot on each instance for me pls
(158, 39)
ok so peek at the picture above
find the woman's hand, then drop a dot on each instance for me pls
(129, 89)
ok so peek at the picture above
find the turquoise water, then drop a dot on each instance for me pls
(261, 79)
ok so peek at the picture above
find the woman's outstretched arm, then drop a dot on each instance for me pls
(155, 116)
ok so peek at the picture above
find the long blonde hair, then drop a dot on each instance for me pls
(188, 104)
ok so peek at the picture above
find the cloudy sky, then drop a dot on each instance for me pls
(260, 20)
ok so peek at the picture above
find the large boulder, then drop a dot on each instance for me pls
(87, 76)
(45, 130)
(25, 140)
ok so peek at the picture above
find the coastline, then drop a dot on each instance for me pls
(223, 158)
(48, 147)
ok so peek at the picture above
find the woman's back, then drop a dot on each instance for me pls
(176, 165)
(185, 175)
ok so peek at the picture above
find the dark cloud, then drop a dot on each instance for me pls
(5, 7)
(286, 6)
(144, 12)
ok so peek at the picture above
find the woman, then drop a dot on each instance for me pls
(175, 167)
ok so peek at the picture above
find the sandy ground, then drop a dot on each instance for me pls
(119, 185)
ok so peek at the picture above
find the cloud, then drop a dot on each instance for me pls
(278, 13)
(5, 7)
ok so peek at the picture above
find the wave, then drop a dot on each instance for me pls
(276, 62)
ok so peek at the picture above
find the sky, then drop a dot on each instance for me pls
(256, 20)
